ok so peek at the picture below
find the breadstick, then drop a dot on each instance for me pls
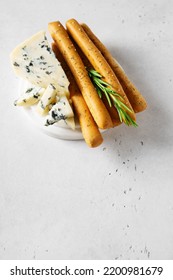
(135, 97)
(112, 110)
(94, 103)
(97, 60)
(88, 126)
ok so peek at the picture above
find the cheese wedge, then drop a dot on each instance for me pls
(30, 97)
(34, 60)
(60, 111)
(47, 99)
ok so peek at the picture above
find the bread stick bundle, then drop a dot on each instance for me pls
(88, 126)
(136, 99)
(72, 58)
(98, 62)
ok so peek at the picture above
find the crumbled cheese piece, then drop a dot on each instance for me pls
(30, 97)
(47, 99)
(60, 111)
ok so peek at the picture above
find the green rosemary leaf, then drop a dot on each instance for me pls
(94, 73)
(120, 114)
(108, 98)
(125, 106)
(104, 83)
(99, 92)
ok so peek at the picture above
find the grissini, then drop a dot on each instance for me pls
(94, 103)
(136, 99)
(97, 60)
(88, 126)
(112, 110)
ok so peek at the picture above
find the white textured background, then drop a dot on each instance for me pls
(62, 200)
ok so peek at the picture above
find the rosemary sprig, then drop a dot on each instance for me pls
(113, 98)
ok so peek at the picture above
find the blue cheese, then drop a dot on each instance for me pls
(67, 123)
(60, 111)
(71, 123)
(46, 100)
(34, 60)
(30, 96)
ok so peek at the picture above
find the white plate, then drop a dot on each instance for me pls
(58, 130)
